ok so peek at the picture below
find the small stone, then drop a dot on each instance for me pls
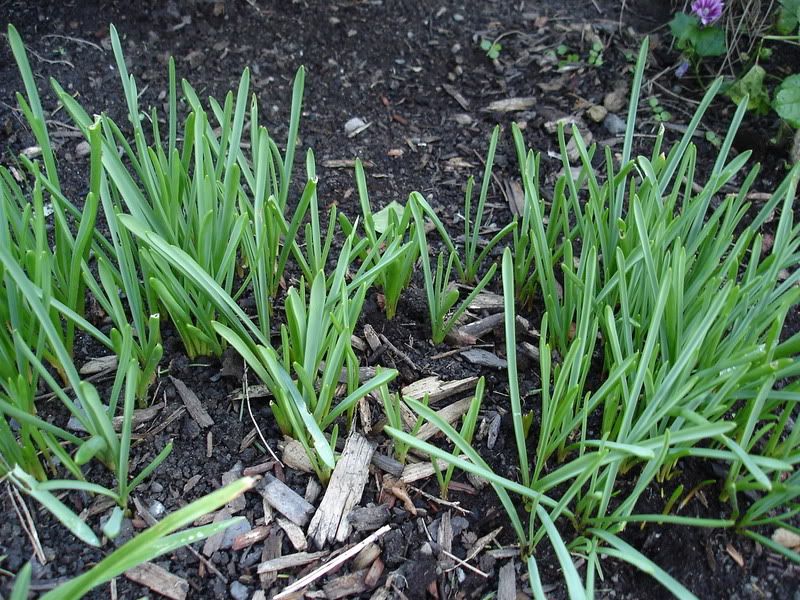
(234, 531)
(156, 509)
(353, 125)
(613, 124)
(239, 591)
(616, 100)
(83, 149)
(156, 487)
(597, 113)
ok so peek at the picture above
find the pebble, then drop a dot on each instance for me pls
(234, 531)
(239, 591)
(83, 149)
(597, 113)
(156, 487)
(614, 124)
(156, 509)
(353, 125)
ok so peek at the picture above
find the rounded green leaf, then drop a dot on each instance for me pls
(787, 100)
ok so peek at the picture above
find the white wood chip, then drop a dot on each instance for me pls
(344, 492)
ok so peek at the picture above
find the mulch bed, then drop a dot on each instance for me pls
(415, 73)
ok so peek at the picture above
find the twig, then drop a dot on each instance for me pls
(327, 567)
(432, 498)
(398, 352)
(73, 39)
(463, 563)
(50, 61)
(27, 522)
(252, 418)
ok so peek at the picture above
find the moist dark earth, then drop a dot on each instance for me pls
(415, 73)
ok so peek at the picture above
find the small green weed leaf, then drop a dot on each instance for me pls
(787, 100)
(788, 17)
(684, 27)
(381, 218)
(751, 86)
(710, 41)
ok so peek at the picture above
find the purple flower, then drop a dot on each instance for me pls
(681, 69)
(708, 10)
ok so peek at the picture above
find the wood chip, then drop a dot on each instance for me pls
(345, 163)
(456, 95)
(450, 413)
(515, 196)
(159, 580)
(331, 565)
(374, 573)
(214, 543)
(99, 365)
(372, 338)
(140, 416)
(444, 537)
(259, 468)
(478, 329)
(344, 492)
(251, 537)
(487, 301)
(239, 503)
(290, 561)
(192, 403)
(346, 585)
(369, 518)
(296, 536)
(285, 500)
(436, 389)
(512, 104)
(481, 543)
(295, 456)
(507, 586)
(193, 481)
(387, 464)
(416, 471)
(484, 358)
(271, 550)
(366, 557)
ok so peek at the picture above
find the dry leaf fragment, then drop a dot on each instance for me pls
(516, 104)
(735, 555)
(787, 539)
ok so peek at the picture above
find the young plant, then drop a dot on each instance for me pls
(383, 230)
(161, 538)
(442, 295)
(102, 443)
(64, 280)
(467, 432)
(315, 352)
(393, 408)
(688, 305)
(492, 49)
(201, 189)
(317, 332)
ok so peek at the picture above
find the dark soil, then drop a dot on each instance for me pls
(387, 62)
